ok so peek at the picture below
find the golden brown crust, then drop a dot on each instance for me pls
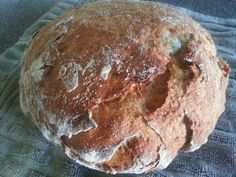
(123, 86)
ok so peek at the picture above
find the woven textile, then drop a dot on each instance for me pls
(25, 152)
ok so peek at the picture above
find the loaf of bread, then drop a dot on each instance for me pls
(123, 86)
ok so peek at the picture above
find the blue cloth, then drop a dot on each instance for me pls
(25, 152)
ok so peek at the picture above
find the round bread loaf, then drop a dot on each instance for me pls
(123, 86)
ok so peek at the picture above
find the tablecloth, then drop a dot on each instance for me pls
(25, 152)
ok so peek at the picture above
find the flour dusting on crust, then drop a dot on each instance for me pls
(94, 156)
(69, 74)
(105, 72)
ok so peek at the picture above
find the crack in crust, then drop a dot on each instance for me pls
(189, 133)
(158, 161)
(94, 157)
(156, 93)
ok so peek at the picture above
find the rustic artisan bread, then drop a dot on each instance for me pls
(123, 86)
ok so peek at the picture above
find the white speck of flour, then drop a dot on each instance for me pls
(69, 74)
(105, 72)
(36, 70)
(89, 65)
(84, 22)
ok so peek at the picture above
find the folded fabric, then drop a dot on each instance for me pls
(25, 152)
